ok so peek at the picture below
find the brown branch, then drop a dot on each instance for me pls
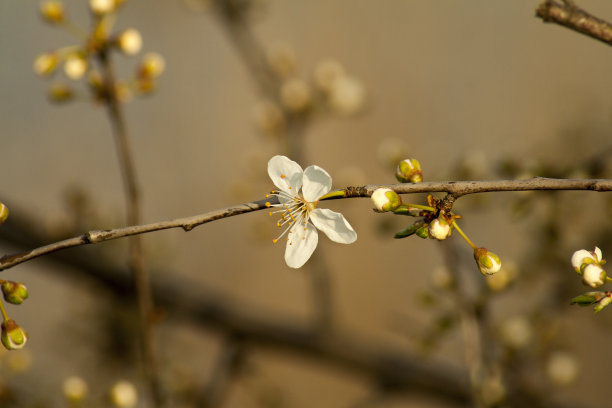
(567, 14)
(456, 188)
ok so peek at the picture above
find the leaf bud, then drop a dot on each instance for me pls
(603, 303)
(487, 261)
(14, 292)
(439, 229)
(385, 199)
(409, 171)
(4, 213)
(587, 299)
(13, 336)
(52, 11)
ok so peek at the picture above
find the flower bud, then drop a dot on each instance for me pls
(124, 395)
(347, 95)
(282, 60)
(439, 229)
(129, 41)
(75, 66)
(101, 7)
(409, 171)
(4, 213)
(593, 275)
(487, 261)
(588, 298)
(74, 389)
(386, 199)
(45, 64)
(582, 257)
(14, 292)
(60, 93)
(13, 336)
(605, 301)
(562, 368)
(326, 73)
(151, 66)
(295, 95)
(52, 11)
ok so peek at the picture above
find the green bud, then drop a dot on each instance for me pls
(13, 336)
(408, 231)
(587, 299)
(14, 292)
(409, 171)
(4, 213)
(385, 199)
(603, 303)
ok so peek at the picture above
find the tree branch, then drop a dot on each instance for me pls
(569, 15)
(455, 188)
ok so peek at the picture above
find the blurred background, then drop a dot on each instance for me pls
(472, 89)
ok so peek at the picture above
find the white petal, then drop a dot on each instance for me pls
(317, 182)
(578, 258)
(301, 244)
(598, 254)
(285, 174)
(334, 225)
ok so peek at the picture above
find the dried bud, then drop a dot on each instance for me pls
(75, 66)
(129, 41)
(14, 292)
(593, 275)
(295, 95)
(409, 171)
(487, 261)
(52, 11)
(100, 7)
(151, 66)
(385, 199)
(13, 336)
(45, 64)
(439, 229)
(4, 213)
(124, 395)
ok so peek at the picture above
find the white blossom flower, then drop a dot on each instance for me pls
(439, 229)
(298, 195)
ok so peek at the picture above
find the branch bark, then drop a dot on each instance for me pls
(567, 14)
(454, 188)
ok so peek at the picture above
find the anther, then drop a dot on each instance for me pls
(268, 204)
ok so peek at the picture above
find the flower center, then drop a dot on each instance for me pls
(294, 213)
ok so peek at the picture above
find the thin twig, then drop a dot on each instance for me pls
(136, 256)
(569, 15)
(456, 188)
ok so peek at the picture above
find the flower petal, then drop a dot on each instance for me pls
(316, 182)
(334, 225)
(285, 174)
(301, 243)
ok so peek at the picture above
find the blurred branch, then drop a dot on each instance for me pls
(136, 256)
(567, 14)
(454, 188)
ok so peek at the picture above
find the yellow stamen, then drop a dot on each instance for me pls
(283, 176)
(268, 204)
(275, 241)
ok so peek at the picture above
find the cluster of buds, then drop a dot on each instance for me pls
(330, 89)
(436, 221)
(78, 61)
(589, 264)
(13, 337)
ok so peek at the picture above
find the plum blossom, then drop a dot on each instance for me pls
(298, 194)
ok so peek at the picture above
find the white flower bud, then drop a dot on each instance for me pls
(326, 72)
(385, 199)
(347, 95)
(45, 64)
(124, 395)
(100, 7)
(74, 389)
(282, 60)
(75, 66)
(130, 41)
(295, 95)
(439, 229)
(593, 275)
(581, 257)
(562, 368)
(488, 262)
(52, 11)
(151, 66)
(516, 332)
(13, 336)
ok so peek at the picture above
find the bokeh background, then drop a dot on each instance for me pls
(473, 89)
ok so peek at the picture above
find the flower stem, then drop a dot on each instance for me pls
(4, 315)
(456, 226)
(420, 207)
(333, 194)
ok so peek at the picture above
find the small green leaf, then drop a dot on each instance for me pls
(408, 231)
(585, 299)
